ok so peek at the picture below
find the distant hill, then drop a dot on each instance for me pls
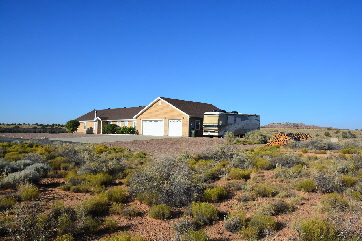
(296, 125)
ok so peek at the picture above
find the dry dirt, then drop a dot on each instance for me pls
(158, 230)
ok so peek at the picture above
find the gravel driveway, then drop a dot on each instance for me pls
(155, 145)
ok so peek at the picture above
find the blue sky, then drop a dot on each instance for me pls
(288, 61)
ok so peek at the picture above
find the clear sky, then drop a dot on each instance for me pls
(286, 60)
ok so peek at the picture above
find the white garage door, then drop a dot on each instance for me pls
(152, 127)
(175, 127)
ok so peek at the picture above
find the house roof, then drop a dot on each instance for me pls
(189, 108)
(112, 114)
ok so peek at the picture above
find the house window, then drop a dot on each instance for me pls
(85, 125)
(125, 123)
(135, 124)
(109, 122)
(197, 124)
(118, 123)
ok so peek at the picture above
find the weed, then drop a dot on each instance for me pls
(7, 202)
(161, 211)
(117, 194)
(316, 229)
(333, 202)
(28, 192)
(238, 174)
(277, 207)
(96, 205)
(130, 211)
(204, 213)
(215, 194)
(305, 185)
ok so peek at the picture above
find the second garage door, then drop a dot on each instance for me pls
(175, 127)
(152, 127)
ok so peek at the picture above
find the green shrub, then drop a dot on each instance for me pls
(333, 202)
(263, 164)
(123, 237)
(117, 194)
(264, 191)
(116, 208)
(96, 205)
(29, 193)
(161, 211)
(259, 226)
(304, 150)
(257, 136)
(305, 186)
(110, 224)
(65, 237)
(195, 235)
(215, 194)
(316, 230)
(238, 174)
(204, 213)
(7, 202)
(110, 129)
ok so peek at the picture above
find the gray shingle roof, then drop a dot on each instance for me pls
(191, 108)
(112, 114)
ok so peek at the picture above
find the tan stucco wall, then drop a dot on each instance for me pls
(165, 112)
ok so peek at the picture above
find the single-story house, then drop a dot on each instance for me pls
(162, 117)
(172, 117)
(93, 121)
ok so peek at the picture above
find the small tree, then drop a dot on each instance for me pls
(72, 126)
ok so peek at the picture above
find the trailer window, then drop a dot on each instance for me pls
(231, 119)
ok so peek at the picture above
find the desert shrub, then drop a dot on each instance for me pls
(241, 160)
(264, 191)
(246, 197)
(28, 192)
(96, 205)
(194, 235)
(204, 213)
(40, 168)
(305, 185)
(285, 160)
(7, 202)
(333, 202)
(304, 150)
(314, 144)
(238, 174)
(165, 181)
(263, 164)
(13, 156)
(235, 222)
(215, 194)
(21, 164)
(316, 230)
(259, 226)
(161, 211)
(123, 237)
(117, 194)
(110, 224)
(346, 181)
(24, 176)
(348, 224)
(276, 207)
(293, 172)
(56, 163)
(130, 211)
(65, 237)
(326, 182)
(116, 208)
(257, 136)
(183, 226)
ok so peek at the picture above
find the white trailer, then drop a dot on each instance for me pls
(218, 122)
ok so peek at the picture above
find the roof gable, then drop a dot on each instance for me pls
(111, 114)
(189, 108)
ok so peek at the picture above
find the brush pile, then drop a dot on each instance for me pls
(282, 139)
